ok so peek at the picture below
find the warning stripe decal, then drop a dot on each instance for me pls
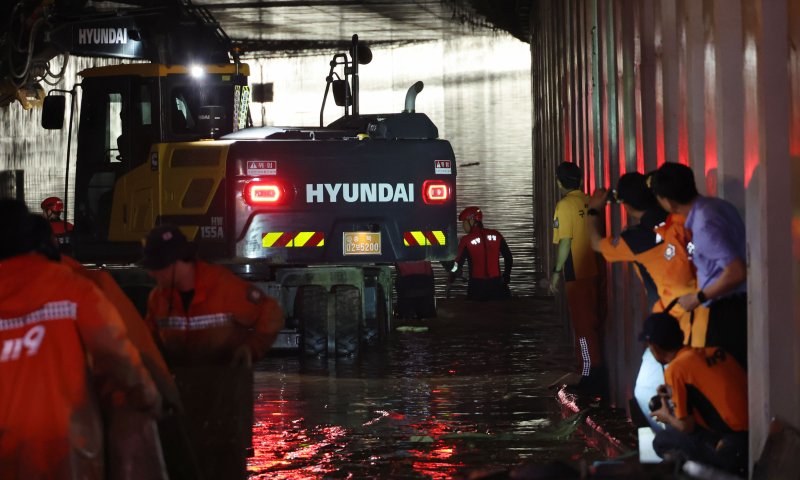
(293, 239)
(424, 238)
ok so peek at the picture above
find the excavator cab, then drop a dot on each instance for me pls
(132, 119)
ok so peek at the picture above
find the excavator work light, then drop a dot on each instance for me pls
(196, 71)
(435, 191)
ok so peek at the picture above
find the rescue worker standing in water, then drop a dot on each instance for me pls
(483, 248)
(211, 326)
(52, 208)
(203, 313)
(576, 263)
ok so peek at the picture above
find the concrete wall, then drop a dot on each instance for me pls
(624, 85)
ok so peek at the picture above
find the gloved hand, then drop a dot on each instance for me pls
(242, 357)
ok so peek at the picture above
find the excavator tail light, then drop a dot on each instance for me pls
(435, 192)
(262, 193)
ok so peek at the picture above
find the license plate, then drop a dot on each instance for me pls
(361, 243)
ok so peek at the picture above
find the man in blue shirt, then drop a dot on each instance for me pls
(719, 251)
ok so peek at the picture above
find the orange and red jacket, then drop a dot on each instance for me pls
(225, 313)
(56, 327)
(663, 263)
(138, 331)
(483, 247)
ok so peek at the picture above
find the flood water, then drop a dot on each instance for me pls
(469, 394)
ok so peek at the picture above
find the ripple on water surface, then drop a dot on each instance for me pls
(468, 394)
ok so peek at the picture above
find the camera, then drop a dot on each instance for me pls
(655, 403)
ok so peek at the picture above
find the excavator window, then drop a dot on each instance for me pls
(182, 119)
(102, 153)
(186, 102)
(114, 114)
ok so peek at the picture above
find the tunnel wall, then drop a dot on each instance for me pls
(624, 85)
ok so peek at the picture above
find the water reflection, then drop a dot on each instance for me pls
(468, 394)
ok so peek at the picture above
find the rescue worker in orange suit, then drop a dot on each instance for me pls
(708, 419)
(211, 326)
(52, 208)
(656, 244)
(203, 313)
(482, 247)
(52, 322)
(133, 448)
(576, 262)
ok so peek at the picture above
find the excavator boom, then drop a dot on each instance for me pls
(175, 32)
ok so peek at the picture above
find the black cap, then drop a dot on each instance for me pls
(662, 329)
(163, 246)
(632, 189)
(569, 174)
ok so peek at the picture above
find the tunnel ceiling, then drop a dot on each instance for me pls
(291, 25)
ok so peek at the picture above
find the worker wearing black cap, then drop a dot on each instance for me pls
(203, 313)
(655, 242)
(576, 262)
(708, 390)
(207, 319)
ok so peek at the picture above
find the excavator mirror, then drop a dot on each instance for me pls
(341, 93)
(364, 53)
(53, 112)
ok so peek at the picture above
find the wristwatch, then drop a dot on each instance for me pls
(592, 212)
(701, 297)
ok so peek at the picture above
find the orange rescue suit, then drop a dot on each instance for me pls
(53, 325)
(225, 313)
(665, 266)
(138, 331)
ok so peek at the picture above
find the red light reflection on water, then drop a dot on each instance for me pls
(434, 463)
(286, 446)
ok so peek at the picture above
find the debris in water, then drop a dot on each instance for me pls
(411, 329)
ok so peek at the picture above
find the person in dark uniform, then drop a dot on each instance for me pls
(483, 248)
(415, 289)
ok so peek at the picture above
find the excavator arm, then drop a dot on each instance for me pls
(37, 31)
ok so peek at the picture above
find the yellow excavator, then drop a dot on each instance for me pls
(315, 216)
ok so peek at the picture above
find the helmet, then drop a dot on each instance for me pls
(471, 213)
(53, 203)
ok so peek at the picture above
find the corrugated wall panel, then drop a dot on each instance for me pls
(709, 83)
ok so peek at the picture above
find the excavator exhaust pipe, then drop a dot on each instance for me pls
(411, 96)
